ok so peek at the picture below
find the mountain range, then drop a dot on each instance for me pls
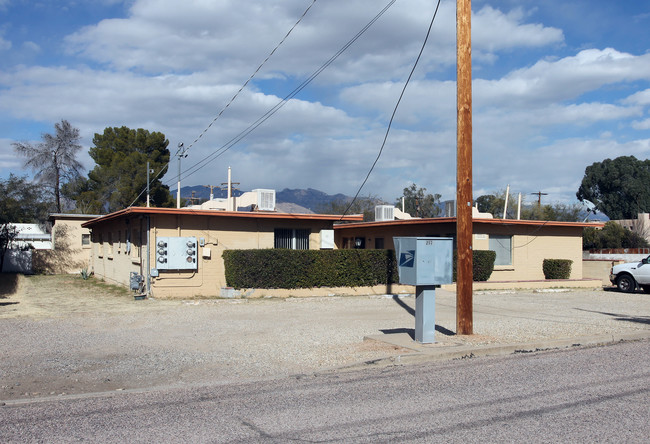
(290, 200)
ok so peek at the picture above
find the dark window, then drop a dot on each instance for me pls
(379, 243)
(291, 238)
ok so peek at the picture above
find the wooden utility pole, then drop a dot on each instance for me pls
(464, 284)
(539, 197)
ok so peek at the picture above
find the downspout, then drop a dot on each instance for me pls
(148, 255)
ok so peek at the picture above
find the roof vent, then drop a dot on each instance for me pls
(384, 213)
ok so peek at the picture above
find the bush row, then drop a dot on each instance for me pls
(280, 268)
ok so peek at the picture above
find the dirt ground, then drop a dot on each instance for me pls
(64, 335)
(39, 297)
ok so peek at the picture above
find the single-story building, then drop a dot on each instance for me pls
(520, 245)
(70, 245)
(173, 252)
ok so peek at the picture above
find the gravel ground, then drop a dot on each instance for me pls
(62, 335)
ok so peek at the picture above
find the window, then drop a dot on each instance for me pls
(85, 240)
(379, 243)
(502, 245)
(291, 238)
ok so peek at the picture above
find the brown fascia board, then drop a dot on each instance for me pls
(443, 220)
(133, 211)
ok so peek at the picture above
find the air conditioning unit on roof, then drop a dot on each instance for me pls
(265, 200)
(384, 213)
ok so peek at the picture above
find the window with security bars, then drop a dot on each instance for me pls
(293, 239)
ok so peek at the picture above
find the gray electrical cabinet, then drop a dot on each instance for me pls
(176, 253)
(425, 262)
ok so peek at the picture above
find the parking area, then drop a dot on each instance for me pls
(63, 335)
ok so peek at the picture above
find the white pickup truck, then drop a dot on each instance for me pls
(627, 277)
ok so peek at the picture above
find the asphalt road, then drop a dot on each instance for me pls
(598, 394)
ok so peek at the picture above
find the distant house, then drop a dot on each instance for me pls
(640, 225)
(520, 245)
(178, 252)
(32, 236)
(70, 242)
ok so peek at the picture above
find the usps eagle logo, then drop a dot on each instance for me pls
(407, 258)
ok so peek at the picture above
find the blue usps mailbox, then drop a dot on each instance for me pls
(425, 262)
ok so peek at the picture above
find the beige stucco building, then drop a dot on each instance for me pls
(178, 252)
(69, 251)
(640, 225)
(521, 245)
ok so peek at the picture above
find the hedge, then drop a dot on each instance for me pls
(283, 268)
(557, 268)
(482, 264)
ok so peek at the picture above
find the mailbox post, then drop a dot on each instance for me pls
(425, 262)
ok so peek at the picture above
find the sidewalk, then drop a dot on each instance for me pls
(507, 322)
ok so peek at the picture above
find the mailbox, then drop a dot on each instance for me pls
(424, 261)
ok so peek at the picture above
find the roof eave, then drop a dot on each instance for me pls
(143, 211)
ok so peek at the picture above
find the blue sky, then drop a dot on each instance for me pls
(557, 86)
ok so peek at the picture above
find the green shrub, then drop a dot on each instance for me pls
(282, 268)
(482, 264)
(557, 268)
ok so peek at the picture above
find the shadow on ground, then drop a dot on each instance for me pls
(622, 317)
(411, 331)
(8, 284)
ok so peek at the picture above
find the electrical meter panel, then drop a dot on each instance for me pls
(176, 253)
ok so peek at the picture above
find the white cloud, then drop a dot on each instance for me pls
(31, 47)
(492, 30)
(158, 36)
(564, 79)
(172, 69)
(639, 98)
(641, 124)
(8, 158)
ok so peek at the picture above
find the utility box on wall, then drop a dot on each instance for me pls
(424, 260)
(176, 253)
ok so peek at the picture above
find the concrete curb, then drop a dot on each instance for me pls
(440, 352)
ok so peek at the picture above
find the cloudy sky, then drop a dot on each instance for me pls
(558, 85)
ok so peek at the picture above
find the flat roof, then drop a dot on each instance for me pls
(220, 213)
(54, 216)
(446, 220)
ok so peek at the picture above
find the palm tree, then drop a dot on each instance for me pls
(54, 159)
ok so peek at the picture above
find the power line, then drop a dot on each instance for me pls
(234, 97)
(225, 147)
(390, 123)
(252, 75)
